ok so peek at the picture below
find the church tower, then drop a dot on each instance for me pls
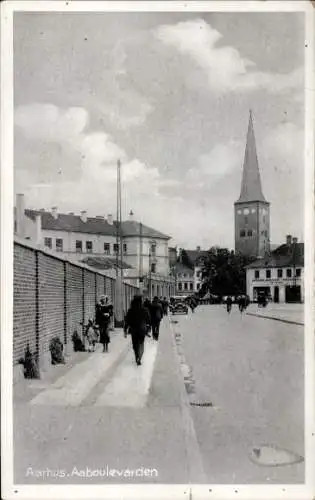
(251, 210)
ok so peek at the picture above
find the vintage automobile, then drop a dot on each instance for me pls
(178, 305)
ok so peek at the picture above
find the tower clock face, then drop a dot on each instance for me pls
(264, 211)
(246, 211)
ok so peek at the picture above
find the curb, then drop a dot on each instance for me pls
(195, 464)
(292, 322)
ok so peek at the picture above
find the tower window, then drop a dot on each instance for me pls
(298, 273)
(250, 233)
(279, 273)
(268, 273)
(256, 275)
(242, 233)
(289, 273)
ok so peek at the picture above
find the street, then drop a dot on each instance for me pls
(251, 370)
(102, 413)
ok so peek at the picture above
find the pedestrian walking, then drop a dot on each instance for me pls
(104, 312)
(156, 317)
(229, 303)
(241, 303)
(165, 306)
(137, 321)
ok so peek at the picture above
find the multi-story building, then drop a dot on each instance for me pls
(251, 210)
(279, 275)
(184, 279)
(144, 255)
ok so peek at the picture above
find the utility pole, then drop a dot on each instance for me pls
(150, 285)
(119, 253)
(141, 258)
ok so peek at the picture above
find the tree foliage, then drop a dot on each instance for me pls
(224, 272)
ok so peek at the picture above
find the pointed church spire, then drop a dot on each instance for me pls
(251, 189)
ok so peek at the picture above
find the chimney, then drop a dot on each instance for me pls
(20, 215)
(131, 215)
(289, 239)
(294, 240)
(38, 229)
(54, 212)
(83, 216)
(110, 219)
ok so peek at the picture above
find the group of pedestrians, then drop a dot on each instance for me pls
(142, 317)
(242, 302)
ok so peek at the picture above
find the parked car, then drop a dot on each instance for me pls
(178, 305)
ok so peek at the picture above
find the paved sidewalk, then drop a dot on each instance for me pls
(288, 313)
(146, 427)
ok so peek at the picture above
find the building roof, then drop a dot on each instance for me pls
(93, 225)
(105, 263)
(181, 268)
(251, 189)
(284, 256)
(195, 255)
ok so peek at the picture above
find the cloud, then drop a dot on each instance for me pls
(224, 66)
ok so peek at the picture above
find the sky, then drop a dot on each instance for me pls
(168, 94)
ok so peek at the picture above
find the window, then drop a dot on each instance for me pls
(185, 286)
(153, 249)
(279, 273)
(266, 233)
(48, 242)
(268, 273)
(107, 248)
(242, 233)
(184, 275)
(78, 246)
(198, 286)
(257, 275)
(59, 244)
(180, 286)
(153, 268)
(289, 273)
(191, 286)
(89, 246)
(298, 273)
(116, 248)
(125, 248)
(198, 273)
(250, 233)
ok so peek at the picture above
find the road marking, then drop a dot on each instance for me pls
(73, 387)
(131, 383)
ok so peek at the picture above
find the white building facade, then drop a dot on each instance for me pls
(279, 276)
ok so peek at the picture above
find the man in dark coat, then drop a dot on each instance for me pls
(137, 321)
(104, 312)
(165, 306)
(156, 317)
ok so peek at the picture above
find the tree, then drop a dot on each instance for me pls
(224, 272)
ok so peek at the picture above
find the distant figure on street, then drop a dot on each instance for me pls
(192, 302)
(165, 306)
(104, 312)
(229, 303)
(136, 323)
(242, 303)
(156, 317)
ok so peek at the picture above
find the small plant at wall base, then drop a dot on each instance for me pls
(30, 364)
(78, 345)
(56, 351)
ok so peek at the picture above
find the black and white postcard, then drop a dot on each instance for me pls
(157, 250)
